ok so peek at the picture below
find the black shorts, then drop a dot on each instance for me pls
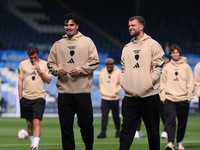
(32, 109)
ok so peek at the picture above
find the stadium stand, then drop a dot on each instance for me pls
(39, 21)
(172, 21)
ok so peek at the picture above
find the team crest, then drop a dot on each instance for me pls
(176, 74)
(72, 52)
(137, 56)
(33, 78)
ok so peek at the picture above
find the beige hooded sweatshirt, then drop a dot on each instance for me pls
(110, 83)
(68, 53)
(142, 60)
(177, 83)
(197, 78)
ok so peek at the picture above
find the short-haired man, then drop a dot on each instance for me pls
(142, 61)
(197, 80)
(176, 92)
(110, 86)
(32, 74)
(73, 59)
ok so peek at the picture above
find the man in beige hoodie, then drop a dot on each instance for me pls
(176, 92)
(197, 81)
(110, 86)
(73, 59)
(142, 61)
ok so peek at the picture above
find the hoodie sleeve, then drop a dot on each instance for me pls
(123, 62)
(157, 62)
(119, 88)
(20, 72)
(197, 79)
(52, 61)
(190, 84)
(163, 81)
(92, 62)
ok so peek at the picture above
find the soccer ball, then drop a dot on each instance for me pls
(22, 134)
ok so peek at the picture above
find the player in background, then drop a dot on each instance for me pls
(32, 74)
(176, 92)
(197, 81)
(110, 86)
(142, 61)
(138, 133)
(73, 59)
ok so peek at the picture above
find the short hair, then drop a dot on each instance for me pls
(139, 19)
(32, 50)
(71, 16)
(109, 61)
(173, 47)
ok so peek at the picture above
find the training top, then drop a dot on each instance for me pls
(33, 85)
(141, 60)
(78, 52)
(110, 83)
(197, 78)
(177, 82)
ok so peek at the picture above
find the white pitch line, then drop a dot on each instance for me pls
(145, 142)
(6, 145)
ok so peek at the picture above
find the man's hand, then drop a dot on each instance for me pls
(62, 72)
(153, 81)
(73, 73)
(35, 63)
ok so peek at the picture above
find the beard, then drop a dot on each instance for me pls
(71, 33)
(136, 33)
(110, 71)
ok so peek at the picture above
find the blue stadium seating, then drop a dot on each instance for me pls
(164, 22)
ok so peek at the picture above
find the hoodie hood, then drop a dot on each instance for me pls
(181, 61)
(78, 35)
(144, 38)
(114, 68)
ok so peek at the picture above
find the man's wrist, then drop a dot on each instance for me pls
(40, 73)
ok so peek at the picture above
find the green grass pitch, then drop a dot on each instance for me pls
(51, 136)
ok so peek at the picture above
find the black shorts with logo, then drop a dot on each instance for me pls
(32, 109)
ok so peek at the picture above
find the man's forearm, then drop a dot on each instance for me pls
(20, 88)
(45, 77)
